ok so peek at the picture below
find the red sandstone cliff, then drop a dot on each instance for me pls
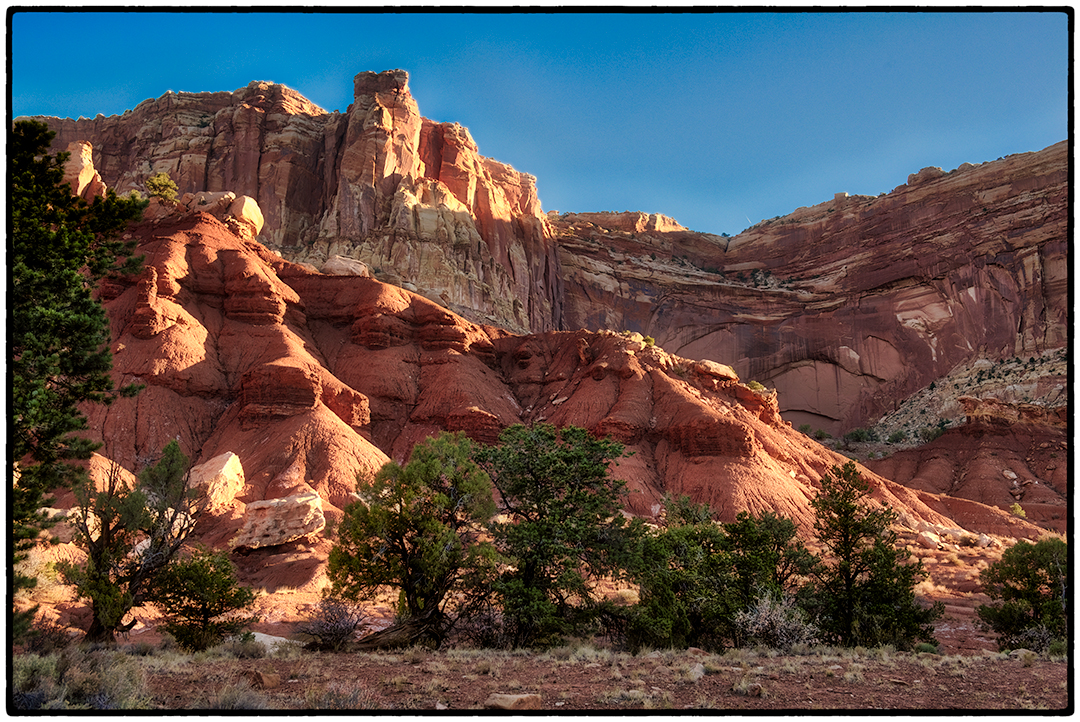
(378, 183)
(846, 307)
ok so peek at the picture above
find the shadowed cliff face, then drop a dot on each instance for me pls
(312, 380)
(849, 306)
(845, 307)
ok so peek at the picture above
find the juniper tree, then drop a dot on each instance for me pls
(58, 355)
(562, 527)
(130, 532)
(863, 593)
(418, 530)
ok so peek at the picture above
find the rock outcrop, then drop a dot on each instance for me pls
(379, 183)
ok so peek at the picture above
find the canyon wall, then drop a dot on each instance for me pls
(849, 306)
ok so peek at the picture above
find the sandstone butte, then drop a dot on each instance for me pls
(845, 307)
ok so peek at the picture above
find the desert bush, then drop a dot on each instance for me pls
(1018, 510)
(244, 646)
(160, 185)
(1029, 587)
(238, 695)
(33, 681)
(46, 636)
(822, 434)
(775, 621)
(755, 386)
(78, 679)
(805, 429)
(1058, 648)
(929, 433)
(484, 628)
(340, 696)
(332, 625)
(897, 436)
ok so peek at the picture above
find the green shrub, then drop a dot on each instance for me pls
(160, 185)
(897, 436)
(1018, 510)
(822, 434)
(805, 429)
(202, 600)
(926, 648)
(649, 341)
(1029, 588)
(860, 435)
(755, 386)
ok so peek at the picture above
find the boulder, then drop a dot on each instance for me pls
(278, 521)
(220, 480)
(342, 266)
(245, 209)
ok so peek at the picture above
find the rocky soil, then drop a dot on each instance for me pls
(588, 678)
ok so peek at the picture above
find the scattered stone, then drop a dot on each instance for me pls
(928, 540)
(512, 701)
(342, 266)
(264, 680)
(696, 672)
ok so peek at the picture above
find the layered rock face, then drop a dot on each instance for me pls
(286, 385)
(851, 305)
(409, 197)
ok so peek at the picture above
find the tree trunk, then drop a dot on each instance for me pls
(428, 629)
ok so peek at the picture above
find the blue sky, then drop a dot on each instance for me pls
(719, 119)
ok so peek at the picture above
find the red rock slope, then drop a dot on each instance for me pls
(311, 379)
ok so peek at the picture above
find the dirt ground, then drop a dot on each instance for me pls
(587, 678)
